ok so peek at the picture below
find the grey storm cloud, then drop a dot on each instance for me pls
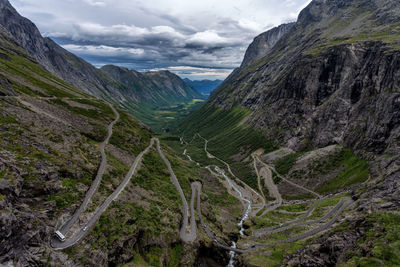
(202, 39)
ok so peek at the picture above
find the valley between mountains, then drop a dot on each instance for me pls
(293, 160)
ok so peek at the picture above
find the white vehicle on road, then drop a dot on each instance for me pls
(60, 236)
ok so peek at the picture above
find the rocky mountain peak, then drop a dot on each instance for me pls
(24, 31)
(263, 43)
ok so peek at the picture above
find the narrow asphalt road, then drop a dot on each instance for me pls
(346, 203)
(185, 236)
(273, 189)
(58, 245)
(67, 226)
(262, 232)
(288, 181)
(258, 178)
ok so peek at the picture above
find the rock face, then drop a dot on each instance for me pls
(158, 87)
(328, 81)
(53, 57)
(263, 43)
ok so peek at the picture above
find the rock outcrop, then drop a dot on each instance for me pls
(263, 43)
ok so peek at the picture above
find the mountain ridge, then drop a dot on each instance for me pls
(157, 87)
(88, 78)
(263, 43)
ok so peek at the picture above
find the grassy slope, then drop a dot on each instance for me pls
(382, 239)
(352, 170)
(71, 152)
(227, 137)
(162, 118)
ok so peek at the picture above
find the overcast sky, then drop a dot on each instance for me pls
(195, 39)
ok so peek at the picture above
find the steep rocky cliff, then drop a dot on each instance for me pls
(263, 43)
(332, 78)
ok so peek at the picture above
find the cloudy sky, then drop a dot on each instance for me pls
(195, 39)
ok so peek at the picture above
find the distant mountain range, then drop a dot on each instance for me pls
(205, 87)
(154, 87)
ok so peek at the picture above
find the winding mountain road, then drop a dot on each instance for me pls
(58, 245)
(272, 188)
(190, 235)
(335, 212)
(258, 196)
(67, 226)
(185, 236)
(286, 180)
(344, 204)
(258, 178)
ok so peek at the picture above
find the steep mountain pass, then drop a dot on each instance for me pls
(316, 103)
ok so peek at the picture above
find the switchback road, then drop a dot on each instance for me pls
(67, 226)
(58, 245)
(185, 236)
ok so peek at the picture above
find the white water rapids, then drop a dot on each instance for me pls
(245, 216)
(232, 254)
